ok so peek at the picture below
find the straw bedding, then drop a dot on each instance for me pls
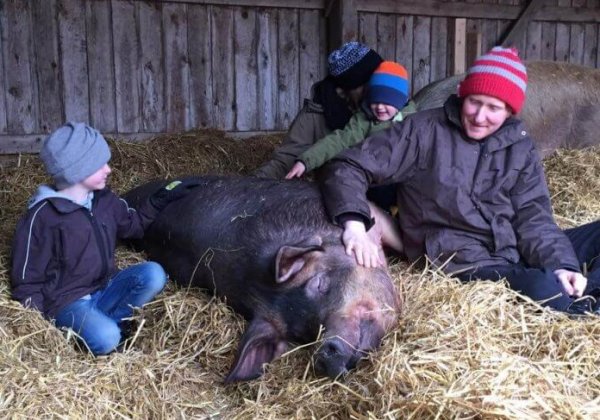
(459, 351)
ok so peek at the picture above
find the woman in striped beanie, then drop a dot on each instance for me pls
(501, 77)
(472, 192)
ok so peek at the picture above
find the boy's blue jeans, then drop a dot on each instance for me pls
(96, 317)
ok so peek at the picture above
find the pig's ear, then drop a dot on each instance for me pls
(291, 259)
(260, 344)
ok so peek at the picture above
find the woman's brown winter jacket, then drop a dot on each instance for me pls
(474, 203)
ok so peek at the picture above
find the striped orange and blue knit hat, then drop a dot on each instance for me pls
(499, 73)
(388, 85)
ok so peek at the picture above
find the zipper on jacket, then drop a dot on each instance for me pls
(475, 187)
(99, 241)
(481, 156)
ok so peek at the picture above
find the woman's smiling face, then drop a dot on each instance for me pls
(483, 115)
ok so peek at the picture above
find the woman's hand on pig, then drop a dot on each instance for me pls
(357, 241)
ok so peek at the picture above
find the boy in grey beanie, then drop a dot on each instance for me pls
(73, 152)
(63, 249)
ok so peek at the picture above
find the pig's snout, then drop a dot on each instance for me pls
(335, 357)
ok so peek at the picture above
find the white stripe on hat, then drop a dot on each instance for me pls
(500, 72)
(517, 65)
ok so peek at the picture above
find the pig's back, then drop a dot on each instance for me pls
(225, 207)
(238, 223)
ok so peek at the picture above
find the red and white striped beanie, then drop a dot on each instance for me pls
(499, 73)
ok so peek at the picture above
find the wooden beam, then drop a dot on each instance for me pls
(243, 135)
(32, 143)
(286, 4)
(518, 29)
(342, 22)
(458, 9)
(478, 10)
(568, 14)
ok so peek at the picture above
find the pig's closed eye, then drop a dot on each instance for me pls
(318, 285)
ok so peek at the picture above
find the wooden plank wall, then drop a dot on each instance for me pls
(134, 68)
(422, 43)
(137, 68)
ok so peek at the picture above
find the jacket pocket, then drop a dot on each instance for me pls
(458, 247)
(497, 180)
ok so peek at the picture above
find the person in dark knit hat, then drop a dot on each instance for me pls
(63, 248)
(351, 66)
(472, 192)
(333, 102)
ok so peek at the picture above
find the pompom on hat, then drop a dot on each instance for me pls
(388, 85)
(73, 152)
(352, 64)
(499, 73)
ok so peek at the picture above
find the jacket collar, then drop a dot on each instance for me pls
(312, 106)
(508, 134)
(309, 104)
(64, 205)
(366, 109)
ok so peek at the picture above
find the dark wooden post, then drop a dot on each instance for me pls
(519, 28)
(473, 49)
(342, 23)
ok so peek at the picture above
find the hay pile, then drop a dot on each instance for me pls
(476, 350)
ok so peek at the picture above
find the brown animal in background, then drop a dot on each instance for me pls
(562, 107)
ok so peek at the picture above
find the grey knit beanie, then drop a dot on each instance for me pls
(73, 152)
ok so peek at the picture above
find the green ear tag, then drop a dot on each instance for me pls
(172, 185)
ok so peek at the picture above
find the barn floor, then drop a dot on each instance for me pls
(459, 351)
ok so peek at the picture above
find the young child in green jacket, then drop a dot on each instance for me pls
(387, 94)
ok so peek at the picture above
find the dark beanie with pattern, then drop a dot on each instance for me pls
(73, 152)
(352, 64)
